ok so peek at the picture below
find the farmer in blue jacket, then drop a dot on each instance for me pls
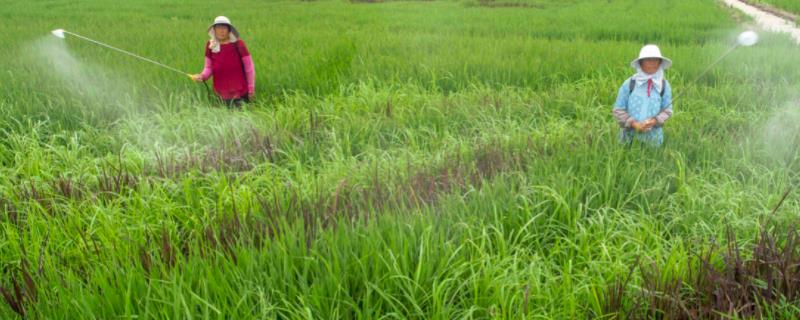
(644, 102)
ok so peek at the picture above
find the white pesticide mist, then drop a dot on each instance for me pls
(192, 129)
(781, 132)
(144, 120)
(56, 63)
(64, 74)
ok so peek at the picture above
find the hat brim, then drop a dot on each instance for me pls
(233, 29)
(664, 60)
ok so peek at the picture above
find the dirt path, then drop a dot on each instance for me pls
(766, 20)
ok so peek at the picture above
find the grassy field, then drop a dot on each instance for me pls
(788, 5)
(424, 160)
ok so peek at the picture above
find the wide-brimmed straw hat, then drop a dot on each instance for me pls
(224, 21)
(651, 51)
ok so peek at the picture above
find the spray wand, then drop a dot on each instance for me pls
(61, 33)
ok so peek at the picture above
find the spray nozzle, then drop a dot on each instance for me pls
(747, 38)
(58, 33)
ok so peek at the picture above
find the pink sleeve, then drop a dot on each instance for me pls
(250, 73)
(206, 70)
(663, 116)
(623, 119)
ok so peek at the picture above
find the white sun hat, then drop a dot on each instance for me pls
(222, 20)
(651, 51)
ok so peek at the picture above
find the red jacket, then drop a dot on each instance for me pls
(232, 68)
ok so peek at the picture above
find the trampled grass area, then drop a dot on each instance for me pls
(428, 160)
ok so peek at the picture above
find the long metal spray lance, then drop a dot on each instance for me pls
(745, 39)
(61, 34)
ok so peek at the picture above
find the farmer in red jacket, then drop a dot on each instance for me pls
(229, 62)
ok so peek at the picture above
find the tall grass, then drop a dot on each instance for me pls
(403, 160)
